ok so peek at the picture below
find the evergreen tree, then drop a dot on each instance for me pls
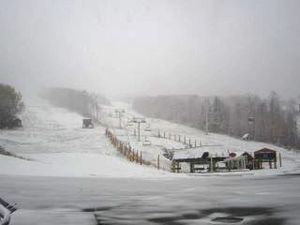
(10, 105)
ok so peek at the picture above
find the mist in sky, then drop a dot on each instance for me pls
(151, 47)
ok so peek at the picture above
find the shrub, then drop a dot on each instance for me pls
(10, 105)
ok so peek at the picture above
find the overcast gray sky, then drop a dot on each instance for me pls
(152, 47)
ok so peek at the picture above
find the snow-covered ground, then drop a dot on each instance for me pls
(74, 176)
(290, 158)
(55, 143)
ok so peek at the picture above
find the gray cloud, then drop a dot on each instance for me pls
(152, 47)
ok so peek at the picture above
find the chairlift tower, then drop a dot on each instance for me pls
(120, 114)
(139, 121)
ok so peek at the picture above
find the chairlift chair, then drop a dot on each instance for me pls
(148, 128)
(146, 142)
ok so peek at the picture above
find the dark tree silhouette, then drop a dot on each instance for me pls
(10, 105)
(270, 120)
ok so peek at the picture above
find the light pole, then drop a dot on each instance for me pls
(139, 121)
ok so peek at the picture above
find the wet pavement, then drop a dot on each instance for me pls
(243, 200)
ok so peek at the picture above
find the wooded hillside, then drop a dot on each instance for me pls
(82, 102)
(269, 120)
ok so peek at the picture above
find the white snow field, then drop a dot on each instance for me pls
(290, 158)
(56, 145)
(74, 176)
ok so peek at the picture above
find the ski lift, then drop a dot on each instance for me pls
(251, 120)
(148, 128)
(129, 123)
(146, 142)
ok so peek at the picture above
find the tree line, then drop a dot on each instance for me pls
(80, 101)
(261, 119)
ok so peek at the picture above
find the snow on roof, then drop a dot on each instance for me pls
(194, 153)
(246, 136)
(263, 150)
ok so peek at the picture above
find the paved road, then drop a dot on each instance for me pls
(248, 200)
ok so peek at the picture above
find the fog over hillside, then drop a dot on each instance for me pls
(149, 112)
(203, 47)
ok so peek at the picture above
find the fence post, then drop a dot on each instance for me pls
(173, 166)
(280, 160)
(132, 156)
(211, 164)
(129, 154)
(125, 151)
(158, 165)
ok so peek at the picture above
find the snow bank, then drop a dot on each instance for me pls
(75, 165)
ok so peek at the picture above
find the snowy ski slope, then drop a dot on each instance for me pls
(290, 158)
(55, 143)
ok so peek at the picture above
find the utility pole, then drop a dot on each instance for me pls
(139, 121)
(251, 124)
(120, 114)
(206, 116)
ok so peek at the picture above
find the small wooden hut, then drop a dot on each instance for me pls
(265, 155)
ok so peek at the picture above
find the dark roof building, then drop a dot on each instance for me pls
(265, 155)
